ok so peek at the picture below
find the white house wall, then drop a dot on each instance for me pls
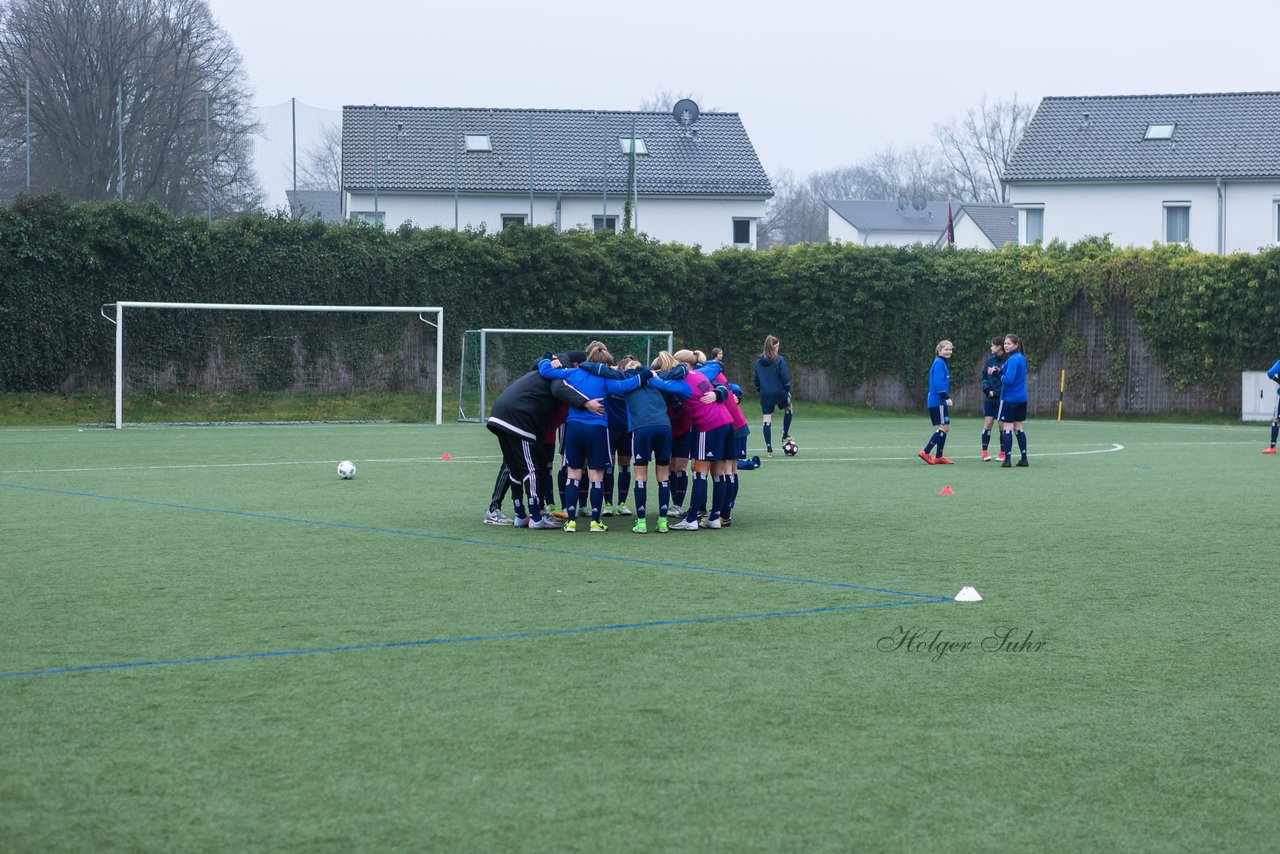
(840, 230)
(1133, 214)
(701, 221)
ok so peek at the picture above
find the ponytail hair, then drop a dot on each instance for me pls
(771, 346)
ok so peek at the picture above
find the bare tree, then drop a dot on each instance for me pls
(664, 100)
(797, 212)
(322, 166)
(102, 71)
(979, 147)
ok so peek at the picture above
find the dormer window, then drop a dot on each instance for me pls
(624, 142)
(478, 142)
(1159, 132)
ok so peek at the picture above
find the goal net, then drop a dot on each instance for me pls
(236, 363)
(493, 358)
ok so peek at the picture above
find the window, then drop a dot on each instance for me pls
(1177, 222)
(605, 223)
(1032, 225)
(478, 142)
(624, 142)
(742, 232)
(509, 220)
(370, 217)
(1159, 132)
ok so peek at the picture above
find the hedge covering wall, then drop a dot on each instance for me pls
(855, 313)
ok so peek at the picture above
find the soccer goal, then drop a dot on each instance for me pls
(492, 358)
(178, 362)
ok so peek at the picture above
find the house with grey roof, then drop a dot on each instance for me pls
(880, 223)
(694, 182)
(1199, 169)
(983, 225)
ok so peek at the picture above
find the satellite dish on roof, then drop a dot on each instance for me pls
(685, 112)
(918, 203)
(902, 203)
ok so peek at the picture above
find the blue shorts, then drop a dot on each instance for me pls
(715, 444)
(1011, 412)
(939, 415)
(589, 442)
(774, 401)
(990, 407)
(651, 442)
(682, 445)
(619, 439)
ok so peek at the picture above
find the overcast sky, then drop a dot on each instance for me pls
(818, 84)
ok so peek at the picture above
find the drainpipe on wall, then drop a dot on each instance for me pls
(558, 229)
(1222, 219)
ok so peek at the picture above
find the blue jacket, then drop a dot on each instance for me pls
(991, 382)
(772, 377)
(647, 405)
(590, 385)
(1013, 381)
(939, 382)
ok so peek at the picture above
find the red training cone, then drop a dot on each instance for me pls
(946, 490)
(445, 456)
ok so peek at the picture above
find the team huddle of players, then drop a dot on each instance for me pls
(617, 418)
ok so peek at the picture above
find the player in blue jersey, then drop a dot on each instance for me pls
(991, 394)
(939, 403)
(1273, 374)
(1013, 401)
(773, 384)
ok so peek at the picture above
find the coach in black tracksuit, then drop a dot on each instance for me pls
(518, 417)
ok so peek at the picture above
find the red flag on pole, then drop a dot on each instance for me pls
(951, 226)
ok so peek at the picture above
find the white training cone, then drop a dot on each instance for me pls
(968, 594)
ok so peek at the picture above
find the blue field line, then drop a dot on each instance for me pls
(469, 541)
(537, 633)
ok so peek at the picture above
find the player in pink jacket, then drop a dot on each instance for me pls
(714, 444)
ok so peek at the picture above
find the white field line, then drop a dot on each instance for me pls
(469, 460)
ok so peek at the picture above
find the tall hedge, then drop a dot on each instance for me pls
(859, 313)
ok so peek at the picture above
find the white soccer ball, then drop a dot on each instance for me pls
(346, 469)
(790, 448)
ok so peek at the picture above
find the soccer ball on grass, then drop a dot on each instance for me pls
(346, 469)
(790, 448)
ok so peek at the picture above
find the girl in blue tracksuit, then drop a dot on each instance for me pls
(1273, 374)
(773, 384)
(1013, 401)
(991, 393)
(586, 434)
(939, 403)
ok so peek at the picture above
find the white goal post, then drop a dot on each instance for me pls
(421, 311)
(578, 337)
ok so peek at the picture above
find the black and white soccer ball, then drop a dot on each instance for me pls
(790, 448)
(346, 469)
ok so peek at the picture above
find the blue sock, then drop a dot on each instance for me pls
(698, 497)
(664, 497)
(718, 489)
(1275, 431)
(624, 483)
(608, 483)
(986, 438)
(571, 497)
(1006, 442)
(731, 497)
(942, 440)
(768, 437)
(680, 489)
(786, 423)
(642, 495)
(1022, 443)
(597, 500)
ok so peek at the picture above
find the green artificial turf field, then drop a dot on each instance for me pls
(210, 642)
